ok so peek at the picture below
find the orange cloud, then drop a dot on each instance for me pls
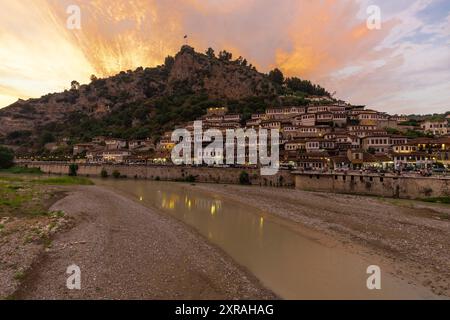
(317, 40)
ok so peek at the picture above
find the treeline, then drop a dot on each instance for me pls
(296, 86)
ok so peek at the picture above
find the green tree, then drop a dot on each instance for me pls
(298, 85)
(104, 173)
(73, 170)
(276, 76)
(74, 85)
(225, 55)
(169, 62)
(46, 137)
(116, 174)
(6, 158)
(244, 178)
(210, 53)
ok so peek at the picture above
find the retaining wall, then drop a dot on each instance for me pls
(375, 185)
(284, 178)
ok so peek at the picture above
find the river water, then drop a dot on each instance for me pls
(290, 263)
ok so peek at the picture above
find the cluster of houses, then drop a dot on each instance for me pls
(317, 137)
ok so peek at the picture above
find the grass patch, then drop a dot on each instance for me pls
(10, 179)
(14, 202)
(19, 275)
(444, 200)
(65, 181)
(22, 170)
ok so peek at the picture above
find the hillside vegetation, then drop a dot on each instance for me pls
(146, 102)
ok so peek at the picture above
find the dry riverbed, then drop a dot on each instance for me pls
(126, 251)
(413, 237)
(27, 226)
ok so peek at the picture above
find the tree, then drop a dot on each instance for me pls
(169, 62)
(74, 85)
(210, 53)
(244, 178)
(298, 85)
(94, 78)
(73, 170)
(6, 158)
(116, 174)
(225, 55)
(104, 173)
(46, 137)
(276, 76)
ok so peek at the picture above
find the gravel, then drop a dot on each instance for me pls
(127, 251)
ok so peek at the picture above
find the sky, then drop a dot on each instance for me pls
(402, 67)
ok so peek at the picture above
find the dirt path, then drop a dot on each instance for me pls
(413, 236)
(126, 251)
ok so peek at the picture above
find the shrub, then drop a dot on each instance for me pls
(244, 178)
(116, 174)
(104, 173)
(73, 169)
(6, 158)
(190, 178)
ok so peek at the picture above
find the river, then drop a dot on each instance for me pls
(291, 263)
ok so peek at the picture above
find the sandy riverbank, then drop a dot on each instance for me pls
(127, 251)
(413, 237)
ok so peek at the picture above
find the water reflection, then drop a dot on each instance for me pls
(292, 265)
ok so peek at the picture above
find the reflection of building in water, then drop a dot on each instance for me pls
(171, 201)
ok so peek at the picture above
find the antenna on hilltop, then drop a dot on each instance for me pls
(186, 39)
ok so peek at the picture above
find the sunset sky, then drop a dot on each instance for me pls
(402, 68)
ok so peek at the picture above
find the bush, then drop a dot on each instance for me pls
(104, 173)
(244, 178)
(73, 169)
(116, 174)
(6, 158)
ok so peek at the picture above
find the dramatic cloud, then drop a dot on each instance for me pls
(403, 67)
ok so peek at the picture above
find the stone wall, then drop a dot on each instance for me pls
(375, 185)
(355, 183)
(284, 178)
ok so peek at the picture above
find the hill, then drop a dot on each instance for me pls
(146, 102)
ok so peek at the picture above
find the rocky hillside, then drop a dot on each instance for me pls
(140, 103)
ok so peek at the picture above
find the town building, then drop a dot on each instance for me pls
(437, 128)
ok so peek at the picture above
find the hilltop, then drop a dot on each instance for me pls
(147, 101)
